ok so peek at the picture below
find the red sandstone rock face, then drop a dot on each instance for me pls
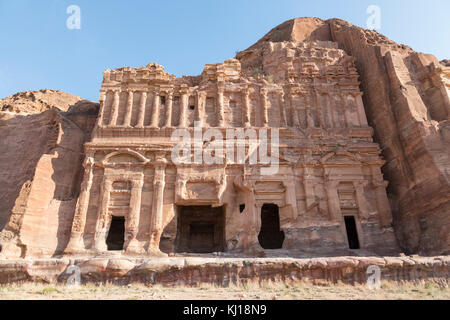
(225, 271)
(406, 97)
(407, 103)
(40, 163)
(38, 101)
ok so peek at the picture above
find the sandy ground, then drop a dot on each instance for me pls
(388, 291)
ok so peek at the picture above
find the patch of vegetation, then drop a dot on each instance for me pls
(49, 291)
(258, 72)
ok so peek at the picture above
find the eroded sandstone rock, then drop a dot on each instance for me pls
(40, 165)
(325, 87)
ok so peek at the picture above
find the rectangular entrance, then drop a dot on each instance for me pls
(352, 233)
(200, 229)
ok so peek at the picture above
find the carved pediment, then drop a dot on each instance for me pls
(340, 158)
(125, 157)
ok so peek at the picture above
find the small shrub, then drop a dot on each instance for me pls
(49, 290)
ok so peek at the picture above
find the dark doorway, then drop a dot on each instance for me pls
(270, 236)
(352, 233)
(200, 229)
(116, 234)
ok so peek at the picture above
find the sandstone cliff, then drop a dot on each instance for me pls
(40, 163)
(406, 96)
(38, 101)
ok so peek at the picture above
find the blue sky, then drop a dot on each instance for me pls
(38, 51)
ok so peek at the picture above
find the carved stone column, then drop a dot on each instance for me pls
(265, 102)
(331, 111)
(344, 110)
(200, 111)
(251, 223)
(102, 216)
(334, 206)
(131, 243)
(102, 101)
(383, 206)
(184, 106)
(320, 110)
(309, 112)
(361, 112)
(309, 184)
(294, 111)
(115, 108)
(157, 208)
(283, 122)
(168, 122)
(361, 198)
(326, 111)
(127, 119)
(246, 113)
(154, 122)
(76, 244)
(220, 111)
(141, 114)
(291, 197)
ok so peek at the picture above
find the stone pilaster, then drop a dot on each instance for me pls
(309, 112)
(309, 188)
(361, 112)
(220, 107)
(102, 101)
(265, 105)
(334, 207)
(383, 206)
(327, 111)
(154, 122)
(294, 111)
(184, 107)
(141, 114)
(76, 243)
(132, 226)
(157, 208)
(361, 199)
(246, 111)
(169, 105)
(127, 119)
(343, 110)
(200, 111)
(115, 108)
(319, 109)
(102, 216)
(283, 122)
(291, 197)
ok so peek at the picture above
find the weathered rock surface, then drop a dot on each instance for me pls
(38, 101)
(407, 102)
(302, 77)
(406, 98)
(224, 271)
(40, 163)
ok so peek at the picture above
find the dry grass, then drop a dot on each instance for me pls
(251, 291)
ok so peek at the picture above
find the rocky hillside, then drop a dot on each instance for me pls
(41, 147)
(406, 97)
(38, 101)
